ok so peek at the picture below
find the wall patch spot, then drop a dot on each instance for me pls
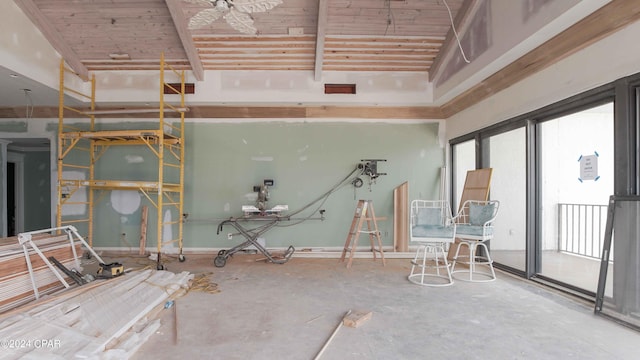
(262, 158)
(125, 202)
(134, 159)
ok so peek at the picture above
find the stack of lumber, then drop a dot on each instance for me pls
(105, 319)
(16, 287)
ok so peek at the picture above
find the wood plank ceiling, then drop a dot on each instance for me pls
(349, 35)
(353, 35)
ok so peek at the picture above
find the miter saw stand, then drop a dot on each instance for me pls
(252, 236)
(258, 213)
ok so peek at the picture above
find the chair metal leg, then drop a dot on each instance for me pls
(436, 249)
(414, 263)
(422, 252)
(473, 263)
(446, 263)
(489, 261)
(472, 259)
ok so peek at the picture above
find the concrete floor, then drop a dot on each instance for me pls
(269, 311)
(579, 271)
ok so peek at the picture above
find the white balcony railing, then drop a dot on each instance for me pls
(581, 229)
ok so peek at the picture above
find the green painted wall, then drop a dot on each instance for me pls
(223, 164)
(13, 126)
(37, 194)
(224, 161)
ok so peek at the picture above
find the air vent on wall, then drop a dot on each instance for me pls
(339, 88)
(174, 88)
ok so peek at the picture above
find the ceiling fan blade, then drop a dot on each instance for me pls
(204, 17)
(253, 6)
(200, 2)
(241, 22)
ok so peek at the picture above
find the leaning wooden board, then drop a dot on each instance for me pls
(476, 187)
(401, 218)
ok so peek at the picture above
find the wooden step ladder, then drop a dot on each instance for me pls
(364, 213)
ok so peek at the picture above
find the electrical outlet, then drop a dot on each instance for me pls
(229, 236)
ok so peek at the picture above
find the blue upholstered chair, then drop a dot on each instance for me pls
(431, 228)
(474, 226)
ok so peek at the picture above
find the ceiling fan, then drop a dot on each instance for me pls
(236, 12)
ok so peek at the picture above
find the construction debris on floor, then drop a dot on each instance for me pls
(16, 287)
(352, 319)
(103, 319)
(49, 309)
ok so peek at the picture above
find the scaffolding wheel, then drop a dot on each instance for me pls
(181, 258)
(220, 261)
(160, 267)
(87, 255)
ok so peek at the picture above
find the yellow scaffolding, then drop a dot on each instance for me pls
(80, 146)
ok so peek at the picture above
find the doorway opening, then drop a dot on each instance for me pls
(28, 184)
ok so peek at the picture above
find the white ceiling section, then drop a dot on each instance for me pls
(575, 74)
(26, 60)
(515, 35)
(385, 47)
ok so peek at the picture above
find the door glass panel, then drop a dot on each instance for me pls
(507, 157)
(464, 159)
(621, 297)
(576, 180)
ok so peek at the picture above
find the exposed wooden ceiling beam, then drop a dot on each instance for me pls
(323, 10)
(602, 23)
(450, 45)
(53, 36)
(182, 28)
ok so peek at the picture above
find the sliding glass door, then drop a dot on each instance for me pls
(573, 175)
(576, 180)
(507, 157)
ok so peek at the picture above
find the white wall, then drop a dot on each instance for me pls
(514, 35)
(272, 88)
(609, 59)
(24, 49)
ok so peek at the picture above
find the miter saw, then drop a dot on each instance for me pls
(262, 198)
(263, 194)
